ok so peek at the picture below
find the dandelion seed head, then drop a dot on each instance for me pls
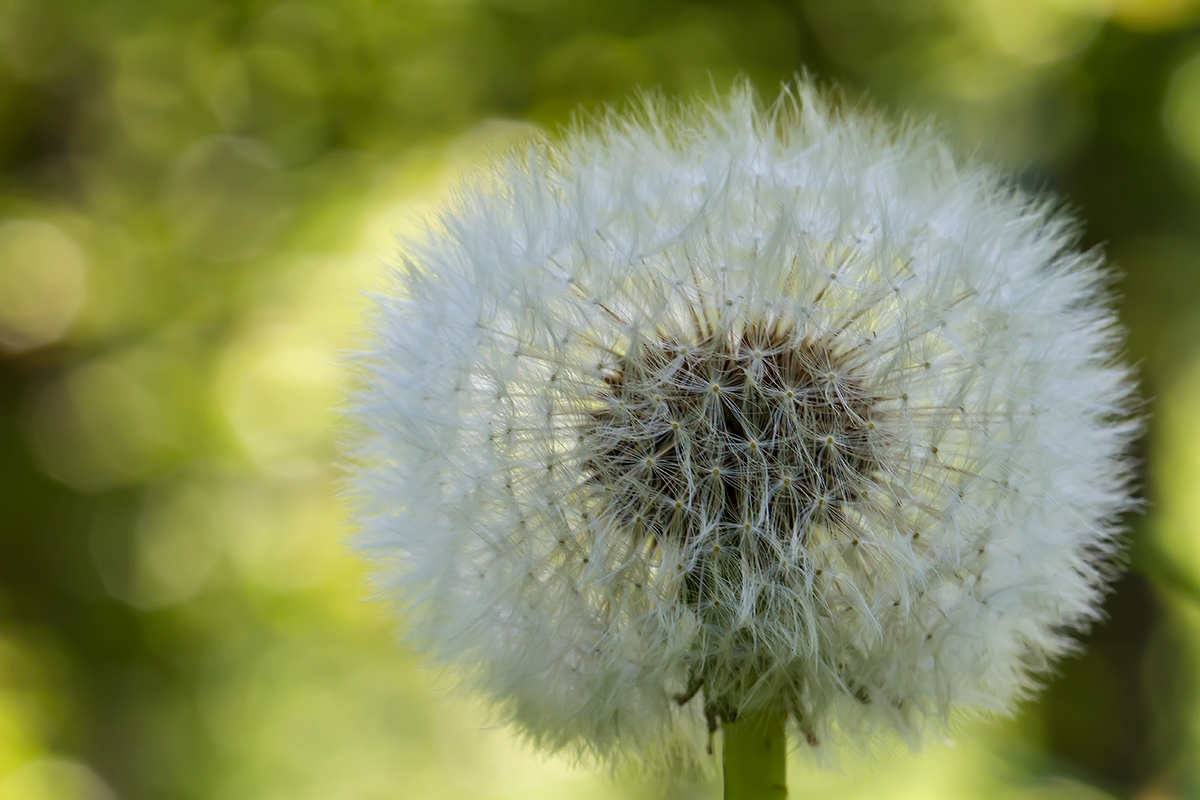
(705, 411)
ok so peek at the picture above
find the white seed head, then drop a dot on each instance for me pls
(719, 410)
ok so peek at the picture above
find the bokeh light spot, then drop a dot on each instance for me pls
(1151, 15)
(178, 538)
(1041, 31)
(277, 387)
(43, 283)
(226, 199)
(101, 423)
(55, 779)
(1177, 473)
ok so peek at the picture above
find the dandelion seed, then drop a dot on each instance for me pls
(795, 371)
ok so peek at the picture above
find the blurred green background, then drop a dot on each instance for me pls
(194, 194)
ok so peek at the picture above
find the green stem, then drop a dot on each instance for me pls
(755, 757)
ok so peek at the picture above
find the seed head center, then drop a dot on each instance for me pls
(755, 431)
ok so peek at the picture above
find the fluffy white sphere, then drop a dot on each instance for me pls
(712, 411)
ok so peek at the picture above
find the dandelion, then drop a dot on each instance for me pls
(734, 418)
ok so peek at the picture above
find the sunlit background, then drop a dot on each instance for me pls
(193, 196)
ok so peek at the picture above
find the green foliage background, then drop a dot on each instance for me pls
(194, 194)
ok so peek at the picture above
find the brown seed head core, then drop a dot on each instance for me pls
(740, 439)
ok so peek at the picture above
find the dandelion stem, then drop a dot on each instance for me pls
(755, 757)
